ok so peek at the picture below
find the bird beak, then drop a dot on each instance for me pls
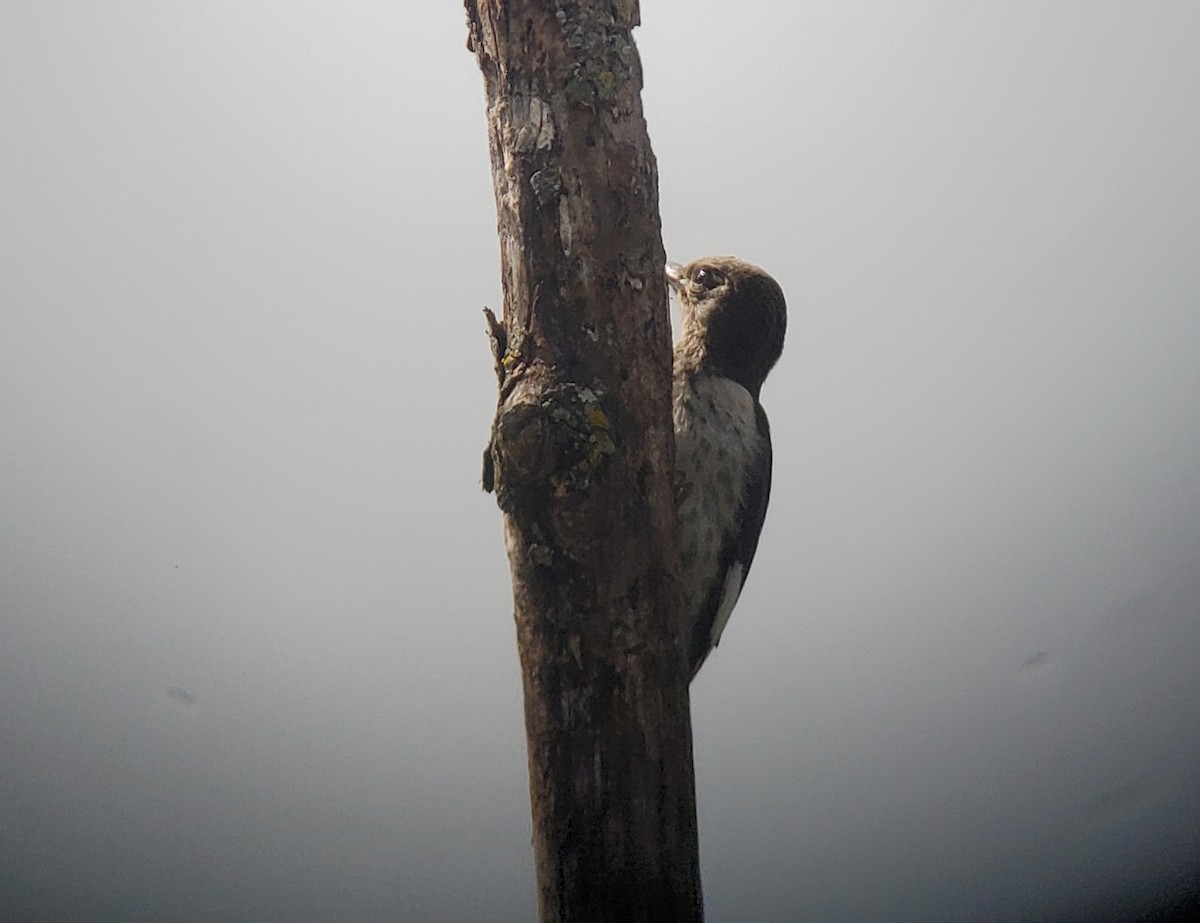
(674, 275)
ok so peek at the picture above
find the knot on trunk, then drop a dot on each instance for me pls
(548, 448)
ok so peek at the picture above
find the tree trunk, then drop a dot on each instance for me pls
(581, 460)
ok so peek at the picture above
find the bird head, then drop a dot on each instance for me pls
(734, 318)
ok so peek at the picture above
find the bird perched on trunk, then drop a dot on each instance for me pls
(734, 318)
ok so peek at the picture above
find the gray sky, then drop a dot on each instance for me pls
(256, 653)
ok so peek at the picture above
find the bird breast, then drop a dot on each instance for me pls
(716, 440)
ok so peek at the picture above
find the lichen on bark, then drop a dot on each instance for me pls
(580, 459)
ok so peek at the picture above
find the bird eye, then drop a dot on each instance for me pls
(708, 278)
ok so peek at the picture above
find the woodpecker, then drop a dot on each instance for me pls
(734, 318)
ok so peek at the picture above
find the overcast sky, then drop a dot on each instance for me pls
(257, 661)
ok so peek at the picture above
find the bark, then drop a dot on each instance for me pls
(581, 461)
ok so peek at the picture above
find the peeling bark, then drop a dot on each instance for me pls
(581, 461)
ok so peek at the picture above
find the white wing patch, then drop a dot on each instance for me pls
(729, 597)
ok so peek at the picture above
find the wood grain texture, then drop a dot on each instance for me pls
(581, 460)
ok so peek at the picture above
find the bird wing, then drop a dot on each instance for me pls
(737, 554)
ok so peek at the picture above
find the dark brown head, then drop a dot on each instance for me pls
(734, 319)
